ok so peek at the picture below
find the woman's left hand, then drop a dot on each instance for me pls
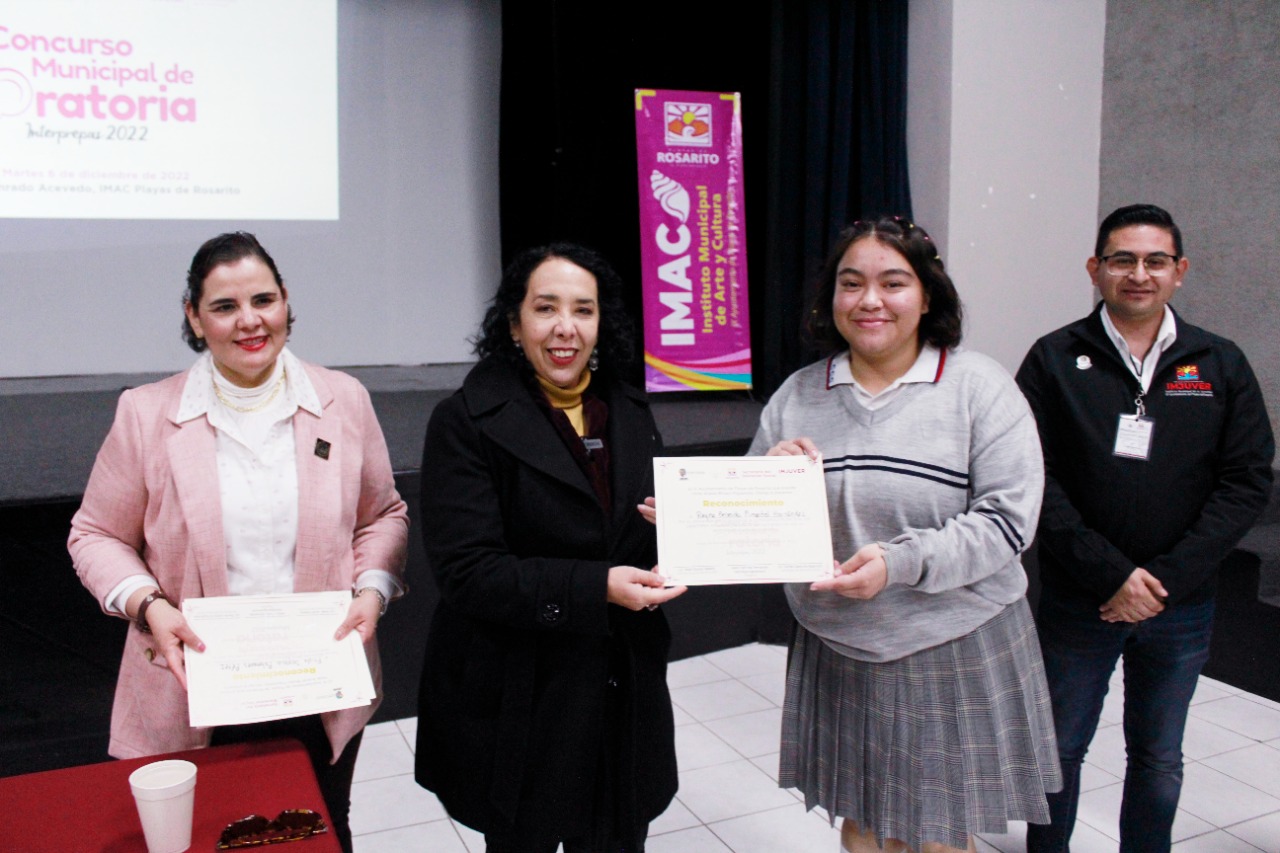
(362, 617)
(861, 576)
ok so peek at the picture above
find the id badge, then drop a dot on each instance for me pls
(1133, 437)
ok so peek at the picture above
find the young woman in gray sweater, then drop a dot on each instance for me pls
(916, 706)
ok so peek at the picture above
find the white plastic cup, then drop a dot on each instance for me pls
(165, 793)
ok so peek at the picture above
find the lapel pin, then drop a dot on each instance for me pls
(322, 448)
(1084, 362)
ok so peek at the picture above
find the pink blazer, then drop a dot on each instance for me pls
(152, 505)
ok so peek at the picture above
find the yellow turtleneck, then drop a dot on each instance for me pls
(568, 400)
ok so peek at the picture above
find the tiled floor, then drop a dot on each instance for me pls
(727, 715)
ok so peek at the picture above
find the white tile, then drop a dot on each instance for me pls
(378, 730)
(470, 837)
(409, 728)
(696, 840)
(769, 685)
(675, 818)
(680, 716)
(769, 764)
(730, 790)
(697, 746)
(383, 756)
(1257, 765)
(1208, 690)
(753, 734)
(1107, 751)
(1221, 800)
(1100, 809)
(1240, 715)
(1261, 700)
(391, 803)
(786, 828)
(1095, 777)
(690, 671)
(1187, 825)
(435, 837)
(751, 659)
(1212, 683)
(1203, 739)
(1261, 832)
(1217, 841)
(722, 699)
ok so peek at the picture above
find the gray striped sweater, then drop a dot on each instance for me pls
(948, 476)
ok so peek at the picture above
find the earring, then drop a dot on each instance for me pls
(516, 341)
(593, 363)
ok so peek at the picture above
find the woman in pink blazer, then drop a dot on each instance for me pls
(250, 473)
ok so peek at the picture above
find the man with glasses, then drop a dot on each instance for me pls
(1158, 453)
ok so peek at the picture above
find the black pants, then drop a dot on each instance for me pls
(334, 779)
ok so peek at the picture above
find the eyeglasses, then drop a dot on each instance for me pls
(255, 830)
(1124, 263)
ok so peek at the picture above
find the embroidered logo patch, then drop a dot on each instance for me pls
(1186, 383)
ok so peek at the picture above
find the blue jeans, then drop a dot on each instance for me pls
(1162, 661)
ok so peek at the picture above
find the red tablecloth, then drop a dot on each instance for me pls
(90, 809)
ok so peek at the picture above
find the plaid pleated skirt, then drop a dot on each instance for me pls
(945, 743)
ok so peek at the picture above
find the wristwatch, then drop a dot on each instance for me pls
(141, 618)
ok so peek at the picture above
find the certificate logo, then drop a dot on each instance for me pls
(687, 124)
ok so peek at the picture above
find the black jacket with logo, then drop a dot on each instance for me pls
(1176, 514)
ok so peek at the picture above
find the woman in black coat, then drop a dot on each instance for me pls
(544, 715)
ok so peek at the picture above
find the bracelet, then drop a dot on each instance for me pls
(141, 618)
(382, 599)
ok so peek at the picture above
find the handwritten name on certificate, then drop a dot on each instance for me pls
(269, 657)
(742, 519)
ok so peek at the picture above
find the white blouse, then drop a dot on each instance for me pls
(257, 477)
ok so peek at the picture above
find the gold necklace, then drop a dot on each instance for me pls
(256, 407)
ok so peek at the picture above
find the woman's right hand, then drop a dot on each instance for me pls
(801, 446)
(169, 632)
(636, 589)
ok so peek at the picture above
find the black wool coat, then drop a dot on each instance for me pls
(543, 710)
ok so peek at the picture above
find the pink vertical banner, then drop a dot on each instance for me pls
(693, 240)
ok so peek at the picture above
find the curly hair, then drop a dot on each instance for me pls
(616, 343)
(224, 249)
(940, 326)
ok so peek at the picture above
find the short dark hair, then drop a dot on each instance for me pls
(940, 326)
(616, 341)
(224, 249)
(1137, 214)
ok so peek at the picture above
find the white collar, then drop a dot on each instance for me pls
(923, 369)
(1165, 337)
(198, 397)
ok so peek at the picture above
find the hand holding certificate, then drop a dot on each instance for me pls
(269, 657)
(742, 519)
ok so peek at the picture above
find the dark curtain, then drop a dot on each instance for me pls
(824, 120)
